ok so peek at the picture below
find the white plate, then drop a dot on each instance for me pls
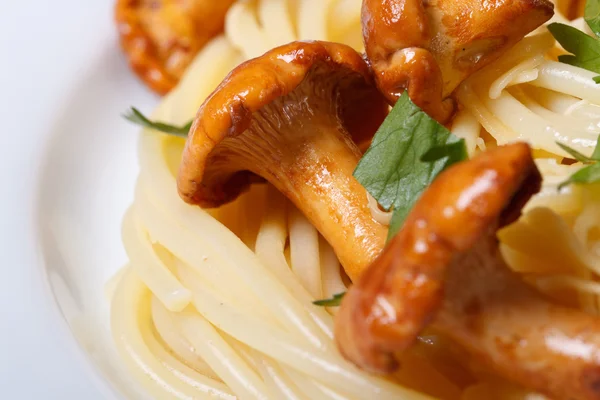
(67, 166)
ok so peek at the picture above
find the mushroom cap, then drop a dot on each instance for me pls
(400, 293)
(161, 37)
(430, 47)
(470, 34)
(257, 83)
(571, 9)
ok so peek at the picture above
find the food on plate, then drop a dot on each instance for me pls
(571, 9)
(292, 117)
(429, 48)
(442, 239)
(161, 37)
(292, 236)
(444, 268)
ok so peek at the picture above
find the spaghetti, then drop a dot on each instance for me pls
(218, 304)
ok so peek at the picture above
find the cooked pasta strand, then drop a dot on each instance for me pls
(304, 250)
(148, 266)
(222, 358)
(125, 316)
(209, 306)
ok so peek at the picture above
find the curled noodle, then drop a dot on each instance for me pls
(218, 304)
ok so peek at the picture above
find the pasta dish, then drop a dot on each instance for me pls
(364, 199)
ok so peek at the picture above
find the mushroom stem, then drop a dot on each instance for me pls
(430, 47)
(514, 330)
(444, 268)
(307, 155)
(293, 117)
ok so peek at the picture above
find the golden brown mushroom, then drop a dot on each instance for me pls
(444, 268)
(570, 8)
(290, 117)
(429, 47)
(161, 37)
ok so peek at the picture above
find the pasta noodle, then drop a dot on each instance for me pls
(304, 252)
(379, 215)
(344, 18)
(559, 103)
(237, 315)
(244, 30)
(466, 127)
(218, 304)
(176, 380)
(312, 19)
(330, 268)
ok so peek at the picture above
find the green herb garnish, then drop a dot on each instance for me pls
(592, 15)
(455, 151)
(407, 153)
(335, 301)
(135, 116)
(588, 174)
(393, 169)
(575, 154)
(584, 49)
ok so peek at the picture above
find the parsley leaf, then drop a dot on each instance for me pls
(575, 154)
(587, 174)
(135, 116)
(592, 15)
(392, 169)
(584, 48)
(335, 301)
(455, 151)
(596, 153)
(407, 153)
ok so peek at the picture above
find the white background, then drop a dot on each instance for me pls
(42, 45)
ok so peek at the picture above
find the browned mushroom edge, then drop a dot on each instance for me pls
(292, 117)
(429, 47)
(161, 38)
(444, 268)
(571, 9)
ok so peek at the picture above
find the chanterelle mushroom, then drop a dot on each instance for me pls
(161, 37)
(444, 268)
(290, 117)
(431, 46)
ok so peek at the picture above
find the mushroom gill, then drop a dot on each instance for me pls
(292, 117)
(444, 268)
(429, 47)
